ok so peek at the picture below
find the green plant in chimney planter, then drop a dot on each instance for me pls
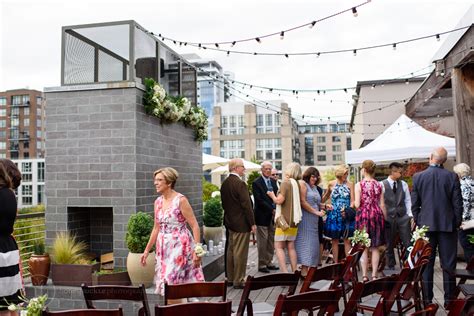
(138, 233)
(170, 109)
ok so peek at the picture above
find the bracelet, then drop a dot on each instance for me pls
(199, 250)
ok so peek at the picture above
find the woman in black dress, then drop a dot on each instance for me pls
(11, 283)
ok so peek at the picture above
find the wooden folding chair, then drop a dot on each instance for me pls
(200, 308)
(350, 277)
(429, 310)
(382, 287)
(463, 275)
(198, 289)
(86, 312)
(327, 277)
(257, 283)
(326, 301)
(116, 292)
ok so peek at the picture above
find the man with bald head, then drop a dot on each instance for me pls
(239, 222)
(437, 203)
(264, 210)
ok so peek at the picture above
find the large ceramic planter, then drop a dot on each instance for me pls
(73, 274)
(141, 274)
(212, 233)
(39, 265)
(113, 278)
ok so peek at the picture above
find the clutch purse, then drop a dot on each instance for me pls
(282, 223)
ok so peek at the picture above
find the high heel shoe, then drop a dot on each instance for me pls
(365, 279)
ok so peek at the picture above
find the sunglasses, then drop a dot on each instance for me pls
(274, 174)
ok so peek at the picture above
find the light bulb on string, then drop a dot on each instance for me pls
(407, 81)
(282, 35)
(394, 46)
(354, 52)
(354, 12)
(438, 38)
(287, 56)
(217, 45)
(317, 55)
(258, 40)
(232, 44)
(312, 24)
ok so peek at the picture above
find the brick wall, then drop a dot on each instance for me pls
(101, 151)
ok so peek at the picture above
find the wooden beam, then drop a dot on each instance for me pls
(463, 106)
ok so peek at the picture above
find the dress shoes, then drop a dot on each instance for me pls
(272, 268)
(264, 270)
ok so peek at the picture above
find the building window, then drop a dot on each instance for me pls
(20, 99)
(26, 171)
(337, 157)
(224, 122)
(40, 171)
(41, 194)
(349, 143)
(3, 123)
(336, 139)
(336, 147)
(26, 122)
(321, 157)
(321, 148)
(15, 111)
(26, 155)
(3, 112)
(39, 100)
(259, 119)
(3, 134)
(277, 154)
(321, 139)
(3, 155)
(27, 194)
(3, 101)
(14, 155)
(3, 145)
(26, 145)
(241, 120)
(26, 111)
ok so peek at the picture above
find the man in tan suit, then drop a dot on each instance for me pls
(238, 220)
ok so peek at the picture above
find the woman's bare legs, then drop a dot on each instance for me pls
(292, 255)
(335, 250)
(364, 262)
(280, 253)
(347, 246)
(375, 261)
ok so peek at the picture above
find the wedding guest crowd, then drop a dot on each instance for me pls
(289, 215)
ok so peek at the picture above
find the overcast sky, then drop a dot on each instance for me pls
(30, 37)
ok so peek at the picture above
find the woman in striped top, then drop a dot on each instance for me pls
(11, 283)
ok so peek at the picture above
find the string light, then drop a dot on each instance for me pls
(354, 52)
(258, 40)
(282, 35)
(392, 44)
(438, 38)
(309, 24)
(354, 12)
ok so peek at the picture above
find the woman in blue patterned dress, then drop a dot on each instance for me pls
(307, 238)
(341, 192)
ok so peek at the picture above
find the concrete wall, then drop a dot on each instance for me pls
(101, 151)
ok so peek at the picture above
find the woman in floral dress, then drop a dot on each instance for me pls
(337, 226)
(176, 260)
(370, 215)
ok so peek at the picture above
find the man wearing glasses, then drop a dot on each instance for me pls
(275, 176)
(238, 220)
(399, 215)
(264, 217)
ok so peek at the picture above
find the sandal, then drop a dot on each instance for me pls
(374, 277)
(365, 278)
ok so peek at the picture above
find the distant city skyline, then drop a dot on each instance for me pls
(30, 41)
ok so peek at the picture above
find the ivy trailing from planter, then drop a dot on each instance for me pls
(170, 109)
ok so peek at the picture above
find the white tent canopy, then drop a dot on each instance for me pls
(249, 166)
(211, 162)
(403, 140)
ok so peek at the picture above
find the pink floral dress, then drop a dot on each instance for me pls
(174, 246)
(370, 214)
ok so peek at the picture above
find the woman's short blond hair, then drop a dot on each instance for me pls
(170, 175)
(462, 169)
(340, 171)
(293, 170)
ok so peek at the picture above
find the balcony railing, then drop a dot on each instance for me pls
(29, 229)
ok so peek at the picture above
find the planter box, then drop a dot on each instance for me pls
(114, 278)
(73, 274)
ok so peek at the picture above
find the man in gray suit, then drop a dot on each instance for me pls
(238, 220)
(437, 203)
(399, 216)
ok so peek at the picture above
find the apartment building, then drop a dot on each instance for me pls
(247, 131)
(21, 124)
(324, 144)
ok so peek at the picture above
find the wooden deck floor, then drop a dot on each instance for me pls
(270, 295)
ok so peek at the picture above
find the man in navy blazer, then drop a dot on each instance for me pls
(264, 210)
(437, 203)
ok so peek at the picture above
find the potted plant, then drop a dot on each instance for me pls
(39, 264)
(70, 266)
(138, 233)
(212, 218)
(111, 277)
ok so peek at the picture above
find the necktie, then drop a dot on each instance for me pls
(269, 185)
(394, 187)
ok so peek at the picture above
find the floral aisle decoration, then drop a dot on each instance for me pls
(199, 250)
(30, 307)
(361, 237)
(420, 233)
(171, 109)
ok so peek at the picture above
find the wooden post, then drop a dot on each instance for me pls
(463, 107)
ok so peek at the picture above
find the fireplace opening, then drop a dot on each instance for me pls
(92, 225)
